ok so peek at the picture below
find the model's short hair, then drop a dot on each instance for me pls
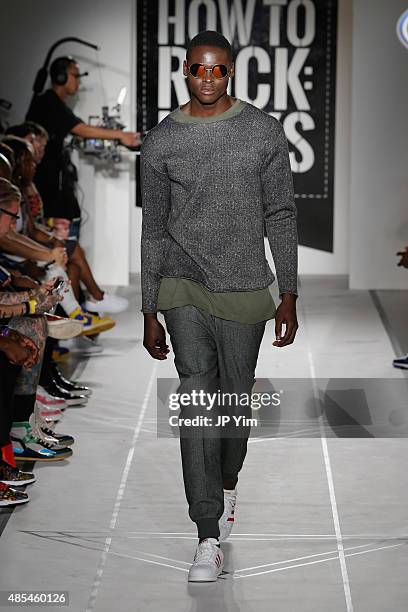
(209, 38)
(8, 193)
(28, 127)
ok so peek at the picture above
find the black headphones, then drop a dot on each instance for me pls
(59, 69)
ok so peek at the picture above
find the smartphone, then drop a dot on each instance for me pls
(57, 286)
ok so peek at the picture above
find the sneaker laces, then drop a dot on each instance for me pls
(32, 437)
(204, 552)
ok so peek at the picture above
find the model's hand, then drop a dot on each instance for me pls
(286, 313)
(154, 339)
(404, 258)
(130, 139)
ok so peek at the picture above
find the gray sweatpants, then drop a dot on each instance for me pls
(211, 354)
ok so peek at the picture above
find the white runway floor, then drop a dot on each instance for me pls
(321, 521)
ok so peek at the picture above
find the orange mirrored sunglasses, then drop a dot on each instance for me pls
(198, 71)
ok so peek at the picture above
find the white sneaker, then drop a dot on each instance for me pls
(109, 303)
(226, 522)
(83, 345)
(48, 400)
(208, 562)
(49, 413)
(37, 431)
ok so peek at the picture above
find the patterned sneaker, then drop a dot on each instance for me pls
(226, 522)
(208, 562)
(28, 447)
(402, 363)
(11, 497)
(92, 324)
(10, 475)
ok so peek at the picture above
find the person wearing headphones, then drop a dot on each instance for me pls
(56, 175)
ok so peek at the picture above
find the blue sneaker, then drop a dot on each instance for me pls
(28, 447)
(402, 363)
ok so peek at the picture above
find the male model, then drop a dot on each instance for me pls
(215, 172)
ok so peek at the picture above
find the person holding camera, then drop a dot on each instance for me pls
(56, 176)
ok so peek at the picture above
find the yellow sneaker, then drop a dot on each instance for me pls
(92, 324)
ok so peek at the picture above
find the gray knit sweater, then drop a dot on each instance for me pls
(208, 191)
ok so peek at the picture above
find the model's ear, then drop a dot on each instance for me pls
(232, 70)
(185, 69)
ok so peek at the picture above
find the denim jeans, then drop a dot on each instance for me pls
(212, 354)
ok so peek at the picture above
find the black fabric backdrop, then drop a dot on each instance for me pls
(284, 53)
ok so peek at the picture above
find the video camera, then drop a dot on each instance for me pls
(97, 147)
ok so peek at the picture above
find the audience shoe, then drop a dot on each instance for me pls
(48, 400)
(48, 437)
(46, 434)
(27, 447)
(60, 354)
(84, 345)
(63, 328)
(208, 562)
(109, 303)
(401, 363)
(11, 497)
(69, 385)
(92, 324)
(12, 476)
(50, 415)
(226, 522)
(70, 398)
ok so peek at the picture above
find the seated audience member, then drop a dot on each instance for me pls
(16, 244)
(78, 267)
(22, 340)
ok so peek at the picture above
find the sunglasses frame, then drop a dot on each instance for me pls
(207, 69)
(10, 214)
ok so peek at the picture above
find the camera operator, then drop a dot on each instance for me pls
(56, 176)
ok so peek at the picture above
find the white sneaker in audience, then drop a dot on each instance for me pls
(110, 303)
(83, 345)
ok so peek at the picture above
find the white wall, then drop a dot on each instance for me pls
(27, 32)
(379, 151)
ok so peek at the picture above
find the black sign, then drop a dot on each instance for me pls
(285, 63)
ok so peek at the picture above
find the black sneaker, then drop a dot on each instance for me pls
(63, 439)
(56, 391)
(10, 475)
(69, 385)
